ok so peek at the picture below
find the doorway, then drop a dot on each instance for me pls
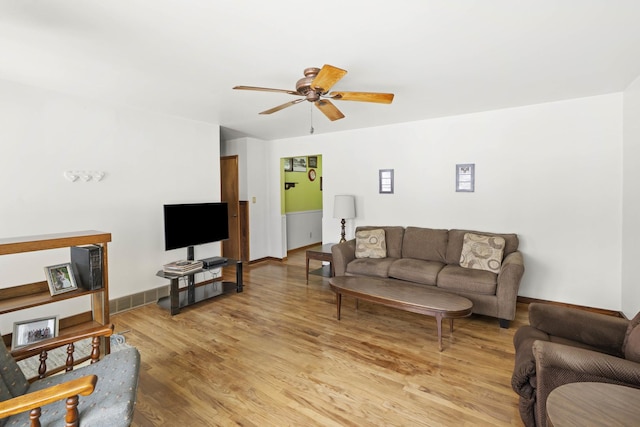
(229, 192)
(301, 198)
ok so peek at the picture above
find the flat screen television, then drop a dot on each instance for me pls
(188, 225)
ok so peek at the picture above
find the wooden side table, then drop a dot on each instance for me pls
(595, 404)
(321, 253)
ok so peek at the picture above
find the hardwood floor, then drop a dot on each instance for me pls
(275, 355)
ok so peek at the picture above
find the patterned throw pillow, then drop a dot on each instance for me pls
(371, 244)
(482, 252)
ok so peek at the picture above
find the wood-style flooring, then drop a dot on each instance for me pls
(275, 355)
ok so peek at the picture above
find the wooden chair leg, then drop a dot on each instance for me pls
(71, 419)
(34, 417)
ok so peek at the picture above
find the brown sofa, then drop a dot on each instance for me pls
(431, 257)
(566, 345)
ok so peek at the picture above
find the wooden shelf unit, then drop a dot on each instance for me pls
(30, 295)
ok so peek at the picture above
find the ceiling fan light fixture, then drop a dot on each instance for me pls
(315, 85)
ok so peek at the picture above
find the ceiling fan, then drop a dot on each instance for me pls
(314, 87)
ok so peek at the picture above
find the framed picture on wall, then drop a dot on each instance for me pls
(465, 178)
(288, 164)
(299, 164)
(385, 181)
(313, 161)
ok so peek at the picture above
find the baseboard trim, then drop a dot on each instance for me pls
(527, 300)
(267, 258)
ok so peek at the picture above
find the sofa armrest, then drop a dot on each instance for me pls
(509, 279)
(343, 253)
(523, 379)
(604, 332)
(558, 364)
(580, 364)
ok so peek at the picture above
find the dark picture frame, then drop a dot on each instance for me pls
(299, 164)
(32, 331)
(313, 161)
(288, 164)
(60, 278)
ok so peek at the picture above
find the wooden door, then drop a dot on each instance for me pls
(229, 189)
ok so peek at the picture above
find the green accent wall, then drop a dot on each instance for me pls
(306, 194)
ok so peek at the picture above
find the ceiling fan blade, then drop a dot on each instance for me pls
(381, 98)
(282, 107)
(266, 89)
(327, 77)
(329, 110)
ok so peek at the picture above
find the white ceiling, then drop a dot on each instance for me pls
(439, 57)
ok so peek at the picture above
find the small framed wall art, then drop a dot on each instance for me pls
(385, 181)
(288, 164)
(465, 177)
(313, 161)
(60, 278)
(299, 164)
(31, 331)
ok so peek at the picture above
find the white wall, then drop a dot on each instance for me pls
(631, 197)
(149, 160)
(552, 173)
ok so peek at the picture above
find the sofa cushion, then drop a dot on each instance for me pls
(377, 267)
(416, 270)
(632, 328)
(393, 236)
(632, 349)
(459, 279)
(425, 243)
(456, 238)
(12, 381)
(371, 244)
(482, 252)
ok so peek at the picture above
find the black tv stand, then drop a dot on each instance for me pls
(196, 292)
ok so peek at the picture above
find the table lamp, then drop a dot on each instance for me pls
(344, 207)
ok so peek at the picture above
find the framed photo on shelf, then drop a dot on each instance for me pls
(299, 164)
(31, 331)
(288, 164)
(60, 279)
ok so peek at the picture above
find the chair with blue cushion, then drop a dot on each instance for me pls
(103, 393)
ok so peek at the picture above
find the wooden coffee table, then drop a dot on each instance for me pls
(420, 299)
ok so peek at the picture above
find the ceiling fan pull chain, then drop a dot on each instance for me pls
(311, 118)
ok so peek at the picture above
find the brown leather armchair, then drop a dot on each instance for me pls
(566, 345)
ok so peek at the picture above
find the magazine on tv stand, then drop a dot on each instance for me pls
(182, 266)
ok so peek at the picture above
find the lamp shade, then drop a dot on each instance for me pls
(344, 207)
